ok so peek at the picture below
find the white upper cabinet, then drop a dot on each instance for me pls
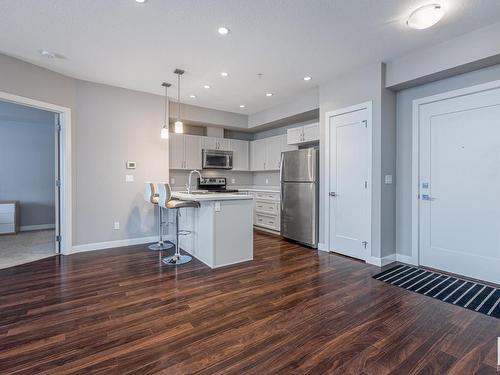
(303, 134)
(209, 143)
(176, 151)
(240, 155)
(273, 153)
(265, 154)
(311, 132)
(213, 143)
(192, 151)
(185, 151)
(294, 135)
(258, 155)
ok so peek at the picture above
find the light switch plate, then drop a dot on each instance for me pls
(217, 206)
(233, 180)
(116, 225)
(129, 178)
(131, 165)
(388, 179)
(267, 181)
(172, 180)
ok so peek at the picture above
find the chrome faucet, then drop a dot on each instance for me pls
(188, 185)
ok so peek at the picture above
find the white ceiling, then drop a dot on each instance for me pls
(137, 46)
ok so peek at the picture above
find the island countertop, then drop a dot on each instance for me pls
(203, 196)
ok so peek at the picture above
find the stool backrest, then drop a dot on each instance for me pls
(164, 192)
(150, 192)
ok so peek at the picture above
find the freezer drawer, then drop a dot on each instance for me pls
(299, 212)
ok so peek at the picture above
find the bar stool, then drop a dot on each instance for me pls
(165, 195)
(151, 196)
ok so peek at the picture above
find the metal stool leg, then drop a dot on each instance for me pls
(177, 258)
(160, 245)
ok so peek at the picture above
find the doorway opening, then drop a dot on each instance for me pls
(35, 202)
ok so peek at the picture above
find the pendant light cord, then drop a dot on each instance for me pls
(166, 104)
(178, 97)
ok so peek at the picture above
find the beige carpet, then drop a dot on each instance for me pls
(26, 247)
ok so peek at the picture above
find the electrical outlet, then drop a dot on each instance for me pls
(172, 180)
(116, 225)
(129, 178)
(267, 181)
(233, 180)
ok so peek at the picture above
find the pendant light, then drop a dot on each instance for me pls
(164, 129)
(179, 126)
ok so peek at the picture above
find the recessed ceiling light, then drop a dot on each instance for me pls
(140, 1)
(425, 16)
(223, 30)
(307, 78)
(224, 74)
(47, 54)
(206, 86)
(242, 105)
(192, 96)
(269, 94)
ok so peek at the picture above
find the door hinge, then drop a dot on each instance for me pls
(365, 243)
(366, 184)
(58, 183)
(365, 123)
(58, 238)
(58, 127)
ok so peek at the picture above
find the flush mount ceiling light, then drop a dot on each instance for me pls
(164, 129)
(179, 126)
(307, 78)
(206, 86)
(224, 74)
(192, 96)
(242, 105)
(269, 94)
(223, 30)
(425, 16)
(48, 54)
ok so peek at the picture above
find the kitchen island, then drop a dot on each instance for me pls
(222, 227)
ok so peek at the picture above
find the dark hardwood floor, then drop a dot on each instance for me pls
(290, 311)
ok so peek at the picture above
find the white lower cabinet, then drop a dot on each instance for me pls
(266, 210)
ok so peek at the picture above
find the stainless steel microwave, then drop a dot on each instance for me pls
(217, 159)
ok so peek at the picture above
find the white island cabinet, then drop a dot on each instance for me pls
(222, 228)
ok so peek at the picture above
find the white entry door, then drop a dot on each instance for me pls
(460, 185)
(350, 160)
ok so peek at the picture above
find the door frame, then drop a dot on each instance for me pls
(326, 182)
(415, 183)
(65, 167)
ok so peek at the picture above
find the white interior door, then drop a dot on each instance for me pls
(349, 184)
(460, 185)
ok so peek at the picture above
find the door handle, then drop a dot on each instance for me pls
(332, 194)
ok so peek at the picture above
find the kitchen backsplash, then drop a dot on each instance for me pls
(178, 179)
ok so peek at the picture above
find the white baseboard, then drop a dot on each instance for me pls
(27, 228)
(406, 259)
(117, 243)
(380, 262)
(322, 247)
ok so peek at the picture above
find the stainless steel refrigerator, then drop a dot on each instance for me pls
(299, 195)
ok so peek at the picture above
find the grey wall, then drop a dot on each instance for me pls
(110, 126)
(27, 162)
(404, 142)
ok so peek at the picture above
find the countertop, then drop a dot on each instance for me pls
(210, 196)
(265, 189)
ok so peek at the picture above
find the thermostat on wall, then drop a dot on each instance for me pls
(131, 164)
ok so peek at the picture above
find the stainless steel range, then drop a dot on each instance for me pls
(215, 185)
